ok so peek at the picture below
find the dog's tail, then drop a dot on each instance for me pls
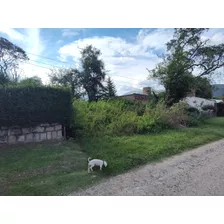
(89, 159)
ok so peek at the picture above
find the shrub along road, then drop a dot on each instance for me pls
(196, 172)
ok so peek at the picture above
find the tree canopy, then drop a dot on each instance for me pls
(93, 72)
(188, 57)
(110, 88)
(34, 81)
(10, 57)
(67, 78)
(89, 79)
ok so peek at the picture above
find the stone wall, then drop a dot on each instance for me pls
(38, 133)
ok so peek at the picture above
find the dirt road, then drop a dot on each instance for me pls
(196, 172)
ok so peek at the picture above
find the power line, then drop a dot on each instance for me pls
(38, 65)
(49, 69)
(45, 63)
(62, 68)
(128, 78)
(67, 64)
(46, 58)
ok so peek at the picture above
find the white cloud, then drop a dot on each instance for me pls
(34, 44)
(126, 60)
(12, 33)
(123, 58)
(69, 32)
(30, 40)
(154, 39)
(59, 41)
(32, 70)
(215, 36)
(109, 46)
(133, 74)
(130, 59)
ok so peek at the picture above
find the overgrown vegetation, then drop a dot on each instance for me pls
(61, 168)
(127, 152)
(120, 117)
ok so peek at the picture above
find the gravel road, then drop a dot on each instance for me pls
(196, 172)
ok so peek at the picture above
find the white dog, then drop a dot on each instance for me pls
(96, 162)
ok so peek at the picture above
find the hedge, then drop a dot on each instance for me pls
(34, 105)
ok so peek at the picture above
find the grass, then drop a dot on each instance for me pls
(123, 153)
(61, 167)
(44, 169)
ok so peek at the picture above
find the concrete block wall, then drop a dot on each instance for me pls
(42, 132)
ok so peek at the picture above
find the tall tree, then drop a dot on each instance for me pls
(10, 57)
(186, 53)
(32, 81)
(67, 78)
(93, 72)
(110, 89)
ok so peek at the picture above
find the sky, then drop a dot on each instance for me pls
(126, 52)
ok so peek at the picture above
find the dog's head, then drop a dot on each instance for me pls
(105, 163)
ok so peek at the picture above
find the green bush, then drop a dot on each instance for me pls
(168, 117)
(196, 117)
(34, 105)
(103, 118)
(193, 120)
(177, 114)
(125, 124)
(148, 124)
(119, 117)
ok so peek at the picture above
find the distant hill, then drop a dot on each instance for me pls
(218, 90)
(138, 91)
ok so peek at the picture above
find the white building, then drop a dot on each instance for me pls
(198, 102)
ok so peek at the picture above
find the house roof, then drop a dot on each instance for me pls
(133, 94)
(218, 101)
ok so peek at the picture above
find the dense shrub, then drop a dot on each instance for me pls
(103, 118)
(119, 117)
(196, 117)
(34, 105)
(125, 124)
(177, 114)
(169, 117)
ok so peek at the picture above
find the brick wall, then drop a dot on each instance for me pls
(139, 97)
(38, 133)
